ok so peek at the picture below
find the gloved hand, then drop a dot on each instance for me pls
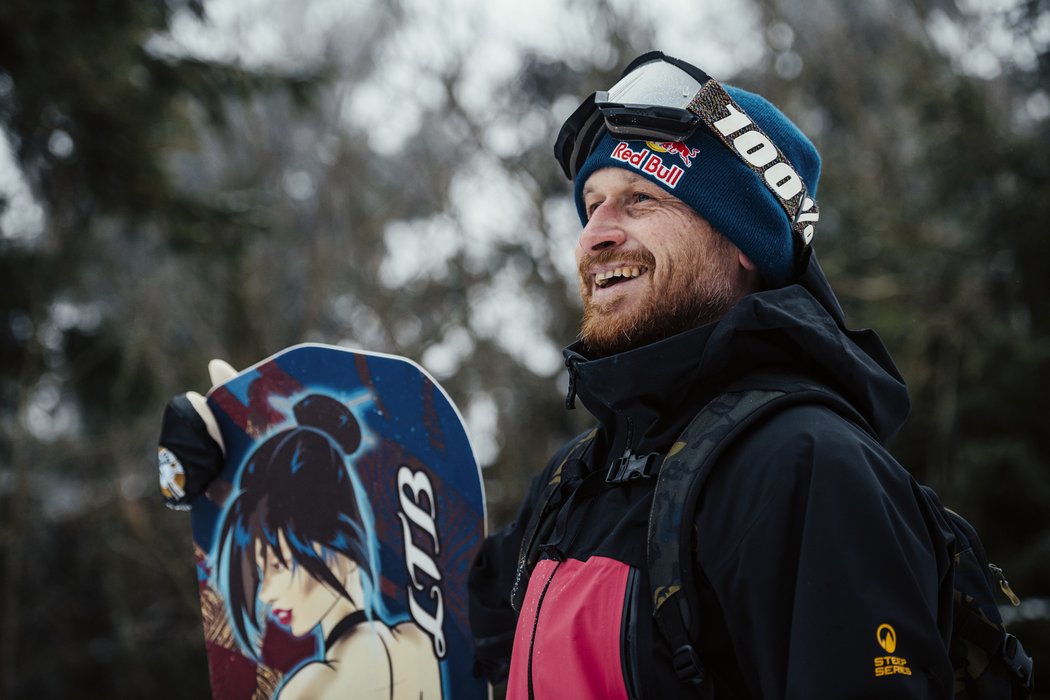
(190, 450)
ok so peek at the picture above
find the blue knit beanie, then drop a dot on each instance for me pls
(711, 179)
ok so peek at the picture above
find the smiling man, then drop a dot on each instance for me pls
(810, 565)
(650, 266)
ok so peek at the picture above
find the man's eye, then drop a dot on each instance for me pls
(642, 197)
(591, 208)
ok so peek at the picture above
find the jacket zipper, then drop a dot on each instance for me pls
(536, 622)
(628, 636)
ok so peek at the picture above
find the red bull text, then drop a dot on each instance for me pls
(648, 162)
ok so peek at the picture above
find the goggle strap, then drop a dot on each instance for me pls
(577, 137)
(729, 122)
(586, 139)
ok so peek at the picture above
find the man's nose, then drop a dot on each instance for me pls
(603, 229)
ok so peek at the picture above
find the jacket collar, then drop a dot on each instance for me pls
(643, 398)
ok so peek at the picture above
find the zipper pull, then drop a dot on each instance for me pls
(570, 396)
(1004, 585)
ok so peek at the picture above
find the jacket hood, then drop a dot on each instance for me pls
(793, 332)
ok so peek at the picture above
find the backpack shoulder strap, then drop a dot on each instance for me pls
(564, 473)
(682, 476)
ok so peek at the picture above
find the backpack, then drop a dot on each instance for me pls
(989, 662)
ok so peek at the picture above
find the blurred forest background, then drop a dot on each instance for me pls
(182, 180)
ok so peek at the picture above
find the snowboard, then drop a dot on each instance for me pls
(332, 552)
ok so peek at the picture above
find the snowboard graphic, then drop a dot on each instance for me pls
(332, 552)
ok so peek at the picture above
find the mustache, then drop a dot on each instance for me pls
(641, 258)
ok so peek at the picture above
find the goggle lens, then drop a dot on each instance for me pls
(653, 83)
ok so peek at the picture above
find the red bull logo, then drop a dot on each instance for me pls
(648, 162)
(677, 147)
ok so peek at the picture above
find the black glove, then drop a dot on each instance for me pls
(190, 451)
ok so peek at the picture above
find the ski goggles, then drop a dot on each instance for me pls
(660, 98)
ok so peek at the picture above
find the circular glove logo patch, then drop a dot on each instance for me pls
(172, 475)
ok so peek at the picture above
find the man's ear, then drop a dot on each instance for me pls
(751, 276)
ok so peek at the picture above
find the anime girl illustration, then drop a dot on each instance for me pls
(296, 544)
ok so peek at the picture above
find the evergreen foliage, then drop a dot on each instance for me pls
(196, 207)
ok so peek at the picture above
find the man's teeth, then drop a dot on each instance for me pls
(603, 278)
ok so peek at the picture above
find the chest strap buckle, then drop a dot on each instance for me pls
(630, 467)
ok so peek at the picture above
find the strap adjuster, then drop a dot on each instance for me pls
(1019, 662)
(687, 665)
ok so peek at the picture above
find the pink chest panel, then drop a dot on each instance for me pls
(572, 647)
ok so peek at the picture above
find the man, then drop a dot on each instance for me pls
(817, 567)
(815, 554)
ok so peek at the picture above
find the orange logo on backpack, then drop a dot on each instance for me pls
(889, 665)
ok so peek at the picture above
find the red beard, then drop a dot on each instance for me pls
(683, 295)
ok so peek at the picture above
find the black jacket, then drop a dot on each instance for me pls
(813, 544)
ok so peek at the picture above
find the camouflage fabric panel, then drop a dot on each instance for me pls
(975, 675)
